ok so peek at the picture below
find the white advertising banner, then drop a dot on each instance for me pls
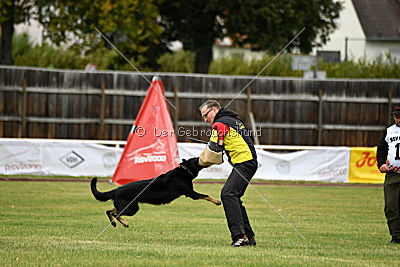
(189, 150)
(328, 165)
(57, 158)
(79, 158)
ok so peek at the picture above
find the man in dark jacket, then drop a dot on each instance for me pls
(230, 134)
(388, 148)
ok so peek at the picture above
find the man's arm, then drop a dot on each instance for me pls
(381, 155)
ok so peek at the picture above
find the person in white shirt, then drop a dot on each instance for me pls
(389, 148)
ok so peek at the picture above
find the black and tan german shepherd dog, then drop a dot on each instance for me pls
(161, 190)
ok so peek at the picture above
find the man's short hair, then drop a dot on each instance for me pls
(210, 104)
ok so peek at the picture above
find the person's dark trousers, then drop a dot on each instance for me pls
(392, 203)
(233, 190)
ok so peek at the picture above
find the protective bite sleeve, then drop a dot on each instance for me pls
(208, 158)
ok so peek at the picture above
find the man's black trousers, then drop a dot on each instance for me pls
(392, 202)
(233, 190)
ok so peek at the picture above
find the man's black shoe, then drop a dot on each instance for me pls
(240, 241)
(395, 240)
(252, 241)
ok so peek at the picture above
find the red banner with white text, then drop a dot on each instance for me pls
(151, 147)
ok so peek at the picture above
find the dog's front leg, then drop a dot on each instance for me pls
(194, 195)
(213, 200)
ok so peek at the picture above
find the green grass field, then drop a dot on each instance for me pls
(55, 223)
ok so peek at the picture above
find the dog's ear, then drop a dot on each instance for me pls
(183, 162)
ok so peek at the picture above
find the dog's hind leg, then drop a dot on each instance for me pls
(110, 214)
(129, 211)
(122, 221)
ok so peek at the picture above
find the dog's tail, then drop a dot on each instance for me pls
(102, 196)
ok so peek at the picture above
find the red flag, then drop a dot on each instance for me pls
(151, 147)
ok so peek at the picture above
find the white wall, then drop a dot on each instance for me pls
(348, 26)
(374, 49)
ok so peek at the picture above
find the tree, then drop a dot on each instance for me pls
(195, 24)
(259, 24)
(130, 25)
(12, 12)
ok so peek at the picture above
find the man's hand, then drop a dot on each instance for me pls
(384, 168)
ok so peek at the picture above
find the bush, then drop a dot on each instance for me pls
(268, 66)
(382, 67)
(47, 56)
(180, 61)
